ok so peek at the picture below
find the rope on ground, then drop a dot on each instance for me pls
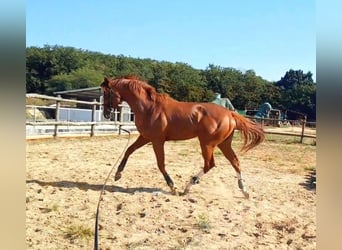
(96, 234)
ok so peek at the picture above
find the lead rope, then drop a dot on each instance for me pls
(96, 234)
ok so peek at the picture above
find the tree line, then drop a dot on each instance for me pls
(58, 68)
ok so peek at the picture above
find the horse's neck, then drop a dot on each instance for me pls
(138, 105)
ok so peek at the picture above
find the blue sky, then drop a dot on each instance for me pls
(269, 37)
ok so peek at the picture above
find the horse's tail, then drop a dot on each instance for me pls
(252, 132)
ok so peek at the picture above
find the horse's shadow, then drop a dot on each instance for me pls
(96, 187)
(310, 181)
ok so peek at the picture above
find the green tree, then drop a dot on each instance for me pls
(44, 63)
(225, 81)
(81, 78)
(185, 83)
(56, 68)
(38, 69)
(298, 92)
(295, 77)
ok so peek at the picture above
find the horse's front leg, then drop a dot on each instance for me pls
(158, 148)
(140, 141)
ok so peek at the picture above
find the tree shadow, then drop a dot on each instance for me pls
(310, 181)
(96, 187)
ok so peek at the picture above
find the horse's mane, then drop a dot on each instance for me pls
(134, 84)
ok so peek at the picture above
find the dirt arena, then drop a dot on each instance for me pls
(65, 177)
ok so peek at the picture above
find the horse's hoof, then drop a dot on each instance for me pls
(246, 195)
(117, 176)
(174, 192)
(185, 192)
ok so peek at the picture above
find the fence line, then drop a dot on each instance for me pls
(302, 124)
(118, 118)
(60, 99)
(67, 123)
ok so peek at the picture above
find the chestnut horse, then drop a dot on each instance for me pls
(160, 118)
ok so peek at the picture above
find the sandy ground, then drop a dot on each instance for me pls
(65, 177)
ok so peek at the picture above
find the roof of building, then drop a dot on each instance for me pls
(86, 94)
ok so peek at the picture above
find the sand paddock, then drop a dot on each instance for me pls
(65, 177)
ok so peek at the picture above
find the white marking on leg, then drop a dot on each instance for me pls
(241, 185)
(190, 183)
(239, 176)
(200, 174)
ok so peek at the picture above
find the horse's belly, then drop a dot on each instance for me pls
(179, 137)
(180, 134)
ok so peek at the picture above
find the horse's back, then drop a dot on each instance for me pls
(186, 120)
(197, 110)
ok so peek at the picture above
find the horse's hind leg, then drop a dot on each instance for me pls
(208, 156)
(140, 141)
(226, 148)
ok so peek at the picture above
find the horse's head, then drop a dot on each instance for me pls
(111, 98)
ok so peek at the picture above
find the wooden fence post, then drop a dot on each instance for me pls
(303, 128)
(58, 104)
(93, 112)
(34, 114)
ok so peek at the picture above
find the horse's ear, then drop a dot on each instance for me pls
(105, 82)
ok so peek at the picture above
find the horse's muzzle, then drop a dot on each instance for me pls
(107, 113)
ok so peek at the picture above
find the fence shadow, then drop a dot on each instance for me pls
(96, 187)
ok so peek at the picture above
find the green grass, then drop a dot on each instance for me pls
(310, 168)
(54, 207)
(74, 231)
(203, 222)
